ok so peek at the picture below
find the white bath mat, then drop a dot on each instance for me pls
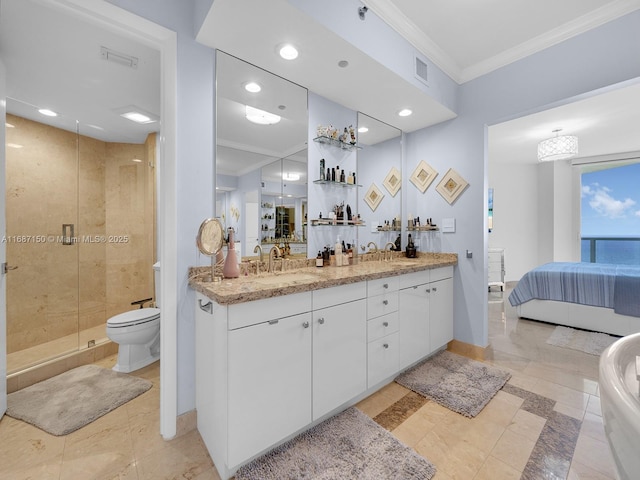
(592, 343)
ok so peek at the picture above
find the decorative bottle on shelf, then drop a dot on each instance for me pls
(231, 268)
(410, 251)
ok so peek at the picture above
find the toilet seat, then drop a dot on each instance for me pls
(134, 317)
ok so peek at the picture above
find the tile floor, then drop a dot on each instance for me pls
(545, 423)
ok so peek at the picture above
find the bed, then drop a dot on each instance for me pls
(593, 296)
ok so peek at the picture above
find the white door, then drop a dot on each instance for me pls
(3, 253)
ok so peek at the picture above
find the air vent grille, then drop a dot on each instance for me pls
(421, 71)
(118, 57)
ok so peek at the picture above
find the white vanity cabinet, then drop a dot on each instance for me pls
(383, 352)
(269, 383)
(268, 369)
(426, 319)
(339, 346)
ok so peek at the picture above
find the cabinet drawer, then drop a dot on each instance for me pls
(440, 273)
(383, 359)
(252, 313)
(328, 297)
(382, 304)
(382, 285)
(382, 326)
(414, 278)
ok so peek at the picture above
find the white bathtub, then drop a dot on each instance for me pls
(620, 403)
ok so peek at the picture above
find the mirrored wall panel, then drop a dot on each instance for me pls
(261, 161)
(380, 174)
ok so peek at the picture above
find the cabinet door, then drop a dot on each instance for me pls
(339, 355)
(384, 354)
(269, 384)
(414, 324)
(440, 313)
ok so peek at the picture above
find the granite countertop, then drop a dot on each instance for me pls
(256, 287)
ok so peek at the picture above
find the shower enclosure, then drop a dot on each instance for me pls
(80, 236)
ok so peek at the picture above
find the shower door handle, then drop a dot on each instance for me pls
(6, 267)
(67, 234)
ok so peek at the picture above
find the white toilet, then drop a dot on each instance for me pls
(137, 333)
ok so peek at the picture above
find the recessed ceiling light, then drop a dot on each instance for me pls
(252, 87)
(136, 114)
(261, 117)
(288, 51)
(405, 112)
(363, 129)
(14, 145)
(137, 160)
(292, 177)
(47, 112)
(136, 117)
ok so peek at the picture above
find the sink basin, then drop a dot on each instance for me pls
(288, 278)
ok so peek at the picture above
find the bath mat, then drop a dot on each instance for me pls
(349, 445)
(592, 343)
(73, 399)
(456, 382)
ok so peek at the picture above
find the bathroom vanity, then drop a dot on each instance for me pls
(278, 353)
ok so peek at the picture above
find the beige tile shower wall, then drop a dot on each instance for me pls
(58, 288)
(129, 220)
(42, 294)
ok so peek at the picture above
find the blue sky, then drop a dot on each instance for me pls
(611, 202)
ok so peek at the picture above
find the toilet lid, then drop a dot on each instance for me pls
(134, 317)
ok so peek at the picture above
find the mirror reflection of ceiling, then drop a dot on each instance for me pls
(54, 60)
(376, 132)
(243, 146)
(272, 175)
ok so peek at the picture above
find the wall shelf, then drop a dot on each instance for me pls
(336, 143)
(325, 222)
(336, 184)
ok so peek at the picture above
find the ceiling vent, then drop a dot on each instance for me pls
(118, 57)
(420, 70)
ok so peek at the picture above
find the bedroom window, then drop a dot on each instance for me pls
(610, 212)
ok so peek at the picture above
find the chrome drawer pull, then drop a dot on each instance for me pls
(386, 285)
(385, 324)
(305, 324)
(207, 307)
(321, 320)
(273, 322)
(385, 345)
(385, 302)
(435, 289)
(428, 290)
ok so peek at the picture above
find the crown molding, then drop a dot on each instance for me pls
(397, 20)
(394, 17)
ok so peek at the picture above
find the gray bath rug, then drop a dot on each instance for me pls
(73, 399)
(456, 382)
(347, 446)
(592, 343)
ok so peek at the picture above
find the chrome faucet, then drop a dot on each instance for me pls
(388, 248)
(256, 249)
(274, 250)
(374, 246)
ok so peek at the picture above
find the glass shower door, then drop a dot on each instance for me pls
(42, 214)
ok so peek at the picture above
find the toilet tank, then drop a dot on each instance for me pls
(156, 282)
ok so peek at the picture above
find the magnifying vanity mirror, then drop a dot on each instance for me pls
(261, 156)
(380, 165)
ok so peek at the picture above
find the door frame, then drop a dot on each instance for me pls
(165, 40)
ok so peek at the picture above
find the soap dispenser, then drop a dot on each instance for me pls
(410, 251)
(338, 252)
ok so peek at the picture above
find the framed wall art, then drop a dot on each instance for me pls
(373, 197)
(393, 181)
(423, 175)
(451, 186)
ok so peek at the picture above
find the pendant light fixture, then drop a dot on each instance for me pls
(559, 147)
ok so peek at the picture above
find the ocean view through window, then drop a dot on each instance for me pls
(610, 214)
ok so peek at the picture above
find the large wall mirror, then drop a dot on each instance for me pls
(380, 166)
(261, 156)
